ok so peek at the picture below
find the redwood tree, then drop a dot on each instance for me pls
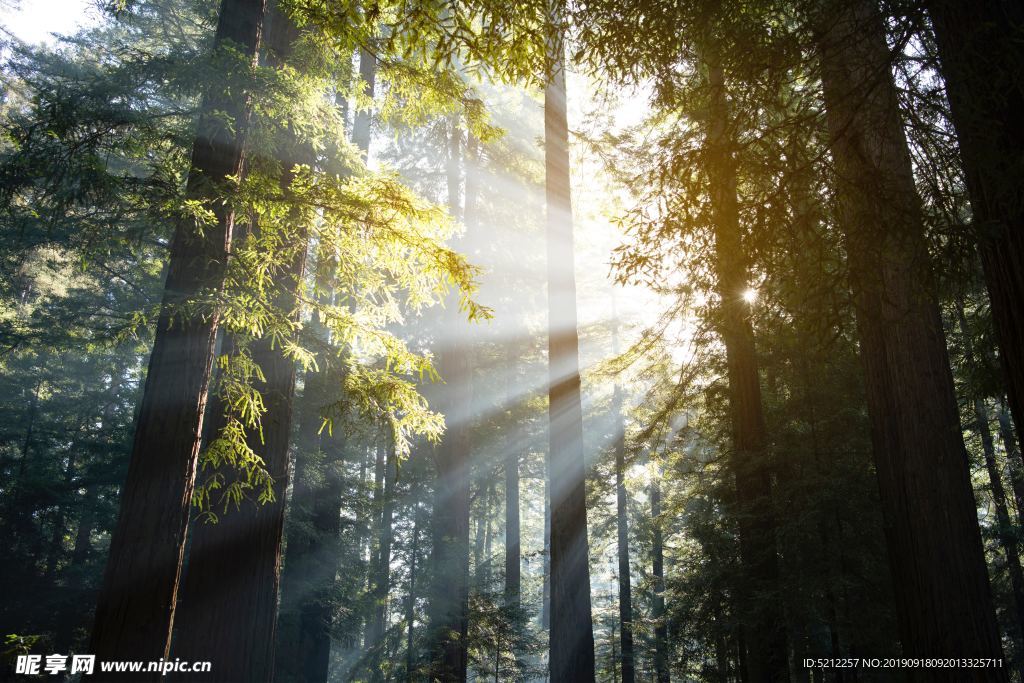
(135, 609)
(982, 61)
(944, 602)
(572, 632)
(764, 626)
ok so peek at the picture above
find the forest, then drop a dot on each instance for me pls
(546, 340)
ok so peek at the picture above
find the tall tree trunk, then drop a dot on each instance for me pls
(513, 547)
(478, 534)
(410, 608)
(513, 571)
(622, 525)
(135, 610)
(661, 673)
(545, 607)
(362, 129)
(381, 583)
(982, 61)
(1013, 458)
(762, 606)
(489, 537)
(572, 630)
(944, 603)
(1007, 537)
(377, 510)
(56, 549)
(71, 612)
(306, 613)
(310, 571)
(621, 513)
(228, 611)
(449, 593)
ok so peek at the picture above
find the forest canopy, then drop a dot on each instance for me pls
(606, 340)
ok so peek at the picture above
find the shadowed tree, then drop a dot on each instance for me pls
(228, 610)
(763, 622)
(448, 609)
(572, 630)
(944, 601)
(982, 62)
(622, 525)
(135, 609)
(304, 643)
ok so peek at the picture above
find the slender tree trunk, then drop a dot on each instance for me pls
(622, 524)
(410, 609)
(478, 534)
(489, 537)
(982, 60)
(449, 592)
(18, 509)
(382, 573)
(513, 571)
(362, 129)
(621, 512)
(944, 602)
(135, 610)
(1013, 458)
(377, 510)
(572, 631)
(306, 614)
(762, 611)
(1007, 537)
(1006, 530)
(545, 608)
(310, 570)
(56, 548)
(513, 548)
(71, 613)
(661, 673)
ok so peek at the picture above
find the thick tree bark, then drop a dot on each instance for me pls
(228, 611)
(449, 595)
(135, 610)
(944, 603)
(572, 632)
(982, 61)
(762, 612)
(228, 608)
